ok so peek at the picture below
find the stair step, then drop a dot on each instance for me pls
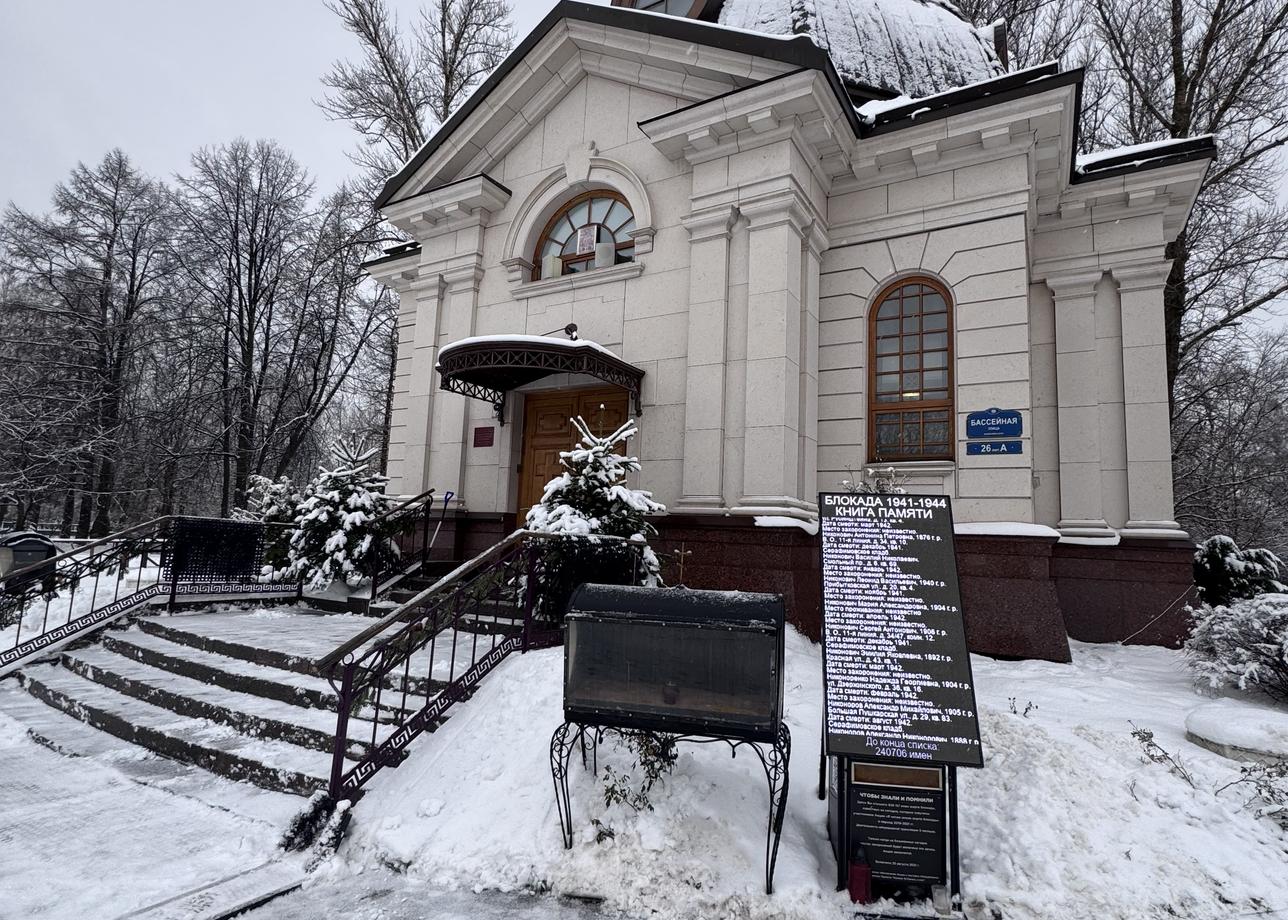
(249, 714)
(279, 638)
(269, 764)
(222, 670)
(69, 736)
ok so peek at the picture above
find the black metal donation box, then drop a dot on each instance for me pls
(678, 661)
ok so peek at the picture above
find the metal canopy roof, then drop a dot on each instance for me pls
(489, 367)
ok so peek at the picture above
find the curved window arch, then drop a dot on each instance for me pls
(596, 217)
(910, 377)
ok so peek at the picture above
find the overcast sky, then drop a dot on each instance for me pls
(161, 78)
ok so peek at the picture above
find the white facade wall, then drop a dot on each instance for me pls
(764, 234)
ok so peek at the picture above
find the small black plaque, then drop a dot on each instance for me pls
(898, 679)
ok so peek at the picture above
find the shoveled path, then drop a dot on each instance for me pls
(377, 895)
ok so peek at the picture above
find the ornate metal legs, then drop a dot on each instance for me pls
(774, 759)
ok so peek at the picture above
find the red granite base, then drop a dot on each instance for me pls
(1023, 597)
(1135, 592)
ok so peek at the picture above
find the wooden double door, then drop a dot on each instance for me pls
(548, 430)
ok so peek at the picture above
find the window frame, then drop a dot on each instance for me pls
(919, 405)
(563, 212)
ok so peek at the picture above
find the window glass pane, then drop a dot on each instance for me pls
(911, 385)
(570, 267)
(570, 247)
(911, 303)
(910, 324)
(887, 346)
(618, 214)
(935, 432)
(888, 309)
(911, 438)
(887, 383)
(912, 362)
(626, 254)
(935, 394)
(887, 397)
(912, 343)
(936, 379)
(552, 248)
(912, 418)
(935, 415)
(934, 359)
(936, 340)
(599, 209)
(562, 230)
(887, 435)
(932, 302)
(934, 322)
(888, 364)
(887, 327)
(623, 231)
(580, 214)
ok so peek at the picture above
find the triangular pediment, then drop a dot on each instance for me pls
(691, 61)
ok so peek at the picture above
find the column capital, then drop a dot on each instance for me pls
(1074, 284)
(786, 206)
(463, 277)
(710, 223)
(1142, 277)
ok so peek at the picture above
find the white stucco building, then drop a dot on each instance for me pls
(796, 276)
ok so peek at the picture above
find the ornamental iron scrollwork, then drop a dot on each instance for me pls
(488, 370)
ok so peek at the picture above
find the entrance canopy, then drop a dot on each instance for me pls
(488, 367)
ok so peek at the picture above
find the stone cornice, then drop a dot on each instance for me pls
(1071, 285)
(449, 207)
(710, 223)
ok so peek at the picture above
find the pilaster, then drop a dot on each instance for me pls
(1147, 411)
(702, 487)
(1078, 415)
(460, 285)
(778, 225)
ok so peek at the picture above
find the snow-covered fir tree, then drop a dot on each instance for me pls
(274, 502)
(1225, 573)
(592, 497)
(335, 534)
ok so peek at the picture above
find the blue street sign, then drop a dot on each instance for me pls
(995, 423)
(994, 447)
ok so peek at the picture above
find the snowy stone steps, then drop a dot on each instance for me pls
(223, 670)
(256, 654)
(65, 734)
(269, 764)
(250, 714)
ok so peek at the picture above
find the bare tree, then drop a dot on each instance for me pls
(1181, 68)
(409, 81)
(99, 270)
(1230, 440)
(1037, 31)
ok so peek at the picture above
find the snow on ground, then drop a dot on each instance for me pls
(79, 840)
(384, 896)
(1066, 819)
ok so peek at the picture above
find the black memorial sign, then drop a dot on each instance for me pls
(898, 679)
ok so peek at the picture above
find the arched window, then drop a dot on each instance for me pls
(598, 218)
(910, 353)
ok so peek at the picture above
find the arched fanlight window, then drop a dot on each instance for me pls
(590, 231)
(910, 356)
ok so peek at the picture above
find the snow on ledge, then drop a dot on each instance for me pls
(516, 339)
(774, 520)
(1144, 152)
(1241, 725)
(1005, 529)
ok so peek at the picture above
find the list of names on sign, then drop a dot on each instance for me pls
(898, 680)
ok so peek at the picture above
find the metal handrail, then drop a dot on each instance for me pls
(111, 538)
(331, 659)
(428, 494)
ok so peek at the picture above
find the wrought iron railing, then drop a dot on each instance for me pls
(406, 670)
(410, 530)
(49, 603)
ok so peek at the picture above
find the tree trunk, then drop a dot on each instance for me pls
(1175, 297)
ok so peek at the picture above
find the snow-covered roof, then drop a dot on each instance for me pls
(913, 47)
(1136, 155)
(516, 339)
